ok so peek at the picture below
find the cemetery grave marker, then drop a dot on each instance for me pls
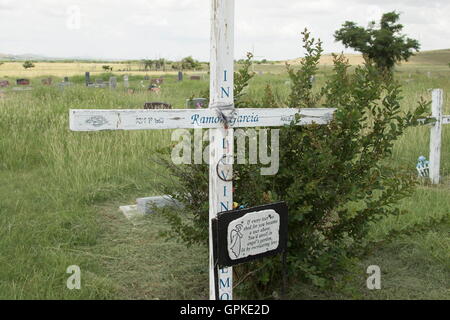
(180, 76)
(158, 81)
(154, 88)
(23, 82)
(98, 84)
(423, 167)
(147, 205)
(245, 235)
(436, 134)
(221, 117)
(112, 82)
(87, 77)
(65, 83)
(433, 166)
(197, 103)
(47, 82)
(22, 89)
(126, 83)
(157, 105)
(249, 234)
(4, 83)
(196, 78)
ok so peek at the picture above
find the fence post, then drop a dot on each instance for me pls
(436, 136)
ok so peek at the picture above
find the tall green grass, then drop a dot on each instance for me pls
(51, 179)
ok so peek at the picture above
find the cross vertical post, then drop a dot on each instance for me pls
(221, 139)
(436, 136)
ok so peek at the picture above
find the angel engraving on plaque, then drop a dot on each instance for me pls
(235, 237)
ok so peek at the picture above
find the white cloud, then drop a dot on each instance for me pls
(177, 28)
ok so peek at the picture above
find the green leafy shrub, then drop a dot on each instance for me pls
(334, 178)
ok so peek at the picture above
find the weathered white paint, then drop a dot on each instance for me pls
(221, 139)
(136, 119)
(436, 136)
(253, 234)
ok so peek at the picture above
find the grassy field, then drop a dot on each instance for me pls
(67, 69)
(60, 192)
(434, 61)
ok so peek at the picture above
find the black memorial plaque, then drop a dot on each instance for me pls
(245, 235)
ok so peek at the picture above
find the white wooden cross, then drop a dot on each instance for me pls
(436, 134)
(221, 136)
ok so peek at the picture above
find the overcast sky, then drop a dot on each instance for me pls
(135, 29)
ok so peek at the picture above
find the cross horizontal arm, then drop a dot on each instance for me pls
(134, 119)
(444, 120)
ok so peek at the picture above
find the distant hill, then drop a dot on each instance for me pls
(21, 57)
(34, 57)
(433, 57)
